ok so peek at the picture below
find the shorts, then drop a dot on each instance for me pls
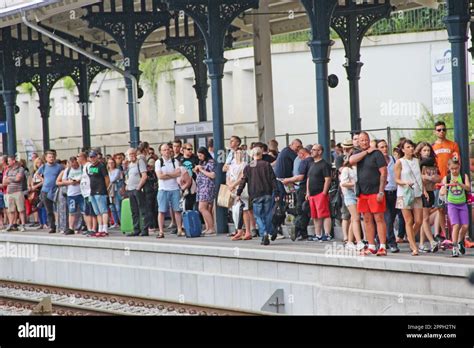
(16, 202)
(350, 198)
(345, 213)
(319, 206)
(167, 199)
(99, 204)
(75, 204)
(458, 214)
(369, 204)
(430, 202)
(2, 201)
(417, 204)
(87, 208)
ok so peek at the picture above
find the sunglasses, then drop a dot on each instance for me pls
(441, 130)
(189, 149)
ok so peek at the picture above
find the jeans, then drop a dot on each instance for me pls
(139, 208)
(99, 204)
(49, 205)
(389, 216)
(42, 216)
(262, 208)
(115, 215)
(117, 205)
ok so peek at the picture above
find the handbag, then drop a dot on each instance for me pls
(408, 196)
(225, 199)
(409, 192)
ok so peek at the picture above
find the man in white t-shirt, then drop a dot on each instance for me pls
(168, 171)
(75, 200)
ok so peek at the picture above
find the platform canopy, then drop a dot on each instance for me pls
(286, 16)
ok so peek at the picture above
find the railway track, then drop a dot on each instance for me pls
(20, 299)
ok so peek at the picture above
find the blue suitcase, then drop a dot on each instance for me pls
(192, 224)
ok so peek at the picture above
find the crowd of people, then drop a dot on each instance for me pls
(382, 197)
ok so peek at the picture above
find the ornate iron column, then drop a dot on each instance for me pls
(214, 18)
(83, 74)
(351, 22)
(193, 48)
(320, 13)
(129, 28)
(9, 88)
(457, 22)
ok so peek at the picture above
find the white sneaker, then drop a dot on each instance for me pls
(360, 246)
(280, 236)
(22, 228)
(350, 246)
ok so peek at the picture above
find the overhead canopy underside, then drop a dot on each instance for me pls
(285, 16)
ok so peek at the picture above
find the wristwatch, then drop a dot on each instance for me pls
(381, 193)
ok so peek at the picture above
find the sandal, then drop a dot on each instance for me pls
(247, 237)
(414, 253)
(209, 233)
(160, 235)
(238, 236)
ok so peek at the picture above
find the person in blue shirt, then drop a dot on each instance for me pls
(49, 173)
(284, 164)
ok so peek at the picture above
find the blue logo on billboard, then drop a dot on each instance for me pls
(441, 63)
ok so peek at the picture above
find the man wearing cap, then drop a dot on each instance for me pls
(99, 181)
(300, 177)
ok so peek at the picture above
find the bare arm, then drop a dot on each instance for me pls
(398, 174)
(294, 179)
(383, 178)
(354, 159)
(327, 185)
(142, 182)
(59, 179)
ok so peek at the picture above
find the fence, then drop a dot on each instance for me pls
(391, 134)
(423, 19)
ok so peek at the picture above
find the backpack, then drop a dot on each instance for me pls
(85, 181)
(24, 182)
(162, 162)
(467, 195)
(151, 184)
(279, 214)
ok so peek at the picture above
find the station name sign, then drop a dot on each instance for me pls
(188, 129)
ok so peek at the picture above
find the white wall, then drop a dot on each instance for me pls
(396, 74)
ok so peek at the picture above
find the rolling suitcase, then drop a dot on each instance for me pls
(126, 222)
(192, 224)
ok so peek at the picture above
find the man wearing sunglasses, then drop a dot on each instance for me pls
(445, 150)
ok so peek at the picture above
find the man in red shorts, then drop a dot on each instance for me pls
(317, 188)
(371, 181)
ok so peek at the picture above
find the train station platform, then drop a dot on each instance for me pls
(308, 278)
